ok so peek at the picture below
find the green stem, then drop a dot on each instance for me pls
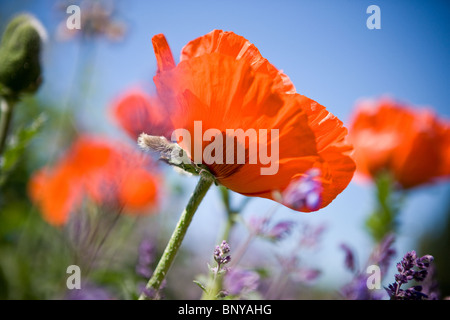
(225, 193)
(214, 287)
(388, 203)
(178, 234)
(6, 109)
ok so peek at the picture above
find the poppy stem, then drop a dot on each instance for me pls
(388, 204)
(178, 234)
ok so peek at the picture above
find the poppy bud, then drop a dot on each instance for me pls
(20, 49)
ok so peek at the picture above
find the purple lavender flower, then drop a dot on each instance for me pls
(240, 282)
(306, 192)
(280, 230)
(406, 273)
(146, 258)
(260, 226)
(220, 255)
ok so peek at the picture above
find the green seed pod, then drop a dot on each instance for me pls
(20, 50)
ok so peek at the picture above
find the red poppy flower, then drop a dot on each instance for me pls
(107, 173)
(412, 144)
(224, 82)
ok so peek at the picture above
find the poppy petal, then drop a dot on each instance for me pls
(231, 44)
(164, 57)
(138, 112)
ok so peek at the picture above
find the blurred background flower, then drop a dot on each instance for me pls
(411, 144)
(105, 171)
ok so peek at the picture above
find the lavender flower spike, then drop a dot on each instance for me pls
(406, 273)
(220, 255)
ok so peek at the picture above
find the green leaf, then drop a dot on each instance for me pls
(200, 285)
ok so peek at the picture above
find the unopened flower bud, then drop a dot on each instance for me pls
(20, 50)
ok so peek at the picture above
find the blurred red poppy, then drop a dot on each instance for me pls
(413, 145)
(106, 172)
(138, 112)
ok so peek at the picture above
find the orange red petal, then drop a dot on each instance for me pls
(138, 112)
(230, 44)
(164, 57)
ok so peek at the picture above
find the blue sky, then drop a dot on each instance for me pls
(323, 46)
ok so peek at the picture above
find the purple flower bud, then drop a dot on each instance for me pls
(409, 260)
(420, 275)
(400, 278)
(225, 247)
(424, 262)
(217, 253)
(226, 260)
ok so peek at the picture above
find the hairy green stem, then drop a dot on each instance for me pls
(178, 234)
